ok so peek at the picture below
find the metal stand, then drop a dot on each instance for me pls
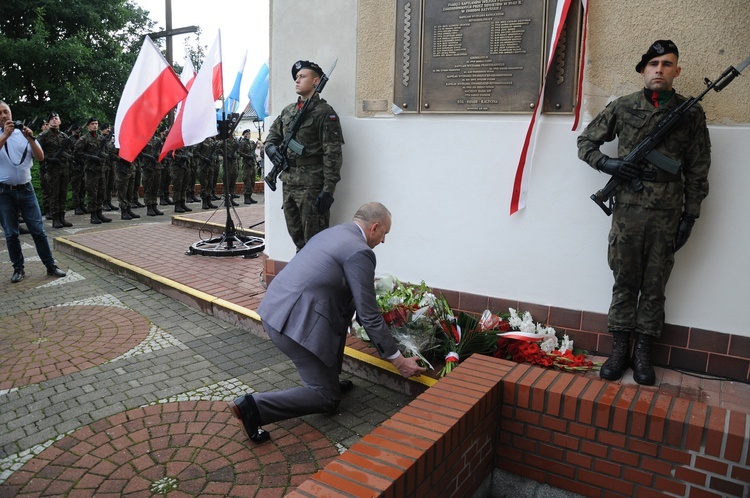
(230, 243)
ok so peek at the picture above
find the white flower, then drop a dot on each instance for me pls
(548, 344)
(384, 285)
(428, 299)
(566, 344)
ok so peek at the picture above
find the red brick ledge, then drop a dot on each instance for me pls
(580, 434)
(680, 347)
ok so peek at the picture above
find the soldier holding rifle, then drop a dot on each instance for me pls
(654, 210)
(313, 156)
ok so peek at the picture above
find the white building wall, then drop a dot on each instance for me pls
(447, 179)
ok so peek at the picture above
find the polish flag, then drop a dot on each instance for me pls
(187, 76)
(197, 118)
(152, 90)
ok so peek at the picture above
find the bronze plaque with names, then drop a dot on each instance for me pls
(483, 56)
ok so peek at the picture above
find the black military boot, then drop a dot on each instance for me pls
(643, 371)
(616, 365)
(205, 204)
(132, 214)
(124, 215)
(137, 203)
(195, 198)
(156, 210)
(249, 199)
(178, 207)
(103, 218)
(79, 209)
(150, 210)
(56, 223)
(162, 201)
(94, 220)
(169, 201)
(187, 209)
(234, 203)
(64, 221)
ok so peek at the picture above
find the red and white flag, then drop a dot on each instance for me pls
(152, 90)
(197, 118)
(520, 183)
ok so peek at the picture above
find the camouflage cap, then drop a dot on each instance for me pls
(657, 49)
(305, 65)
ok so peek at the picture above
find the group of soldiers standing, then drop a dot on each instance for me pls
(86, 163)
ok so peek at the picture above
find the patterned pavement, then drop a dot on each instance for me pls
(109, 388)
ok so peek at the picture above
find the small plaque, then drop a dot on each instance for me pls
(373, 105)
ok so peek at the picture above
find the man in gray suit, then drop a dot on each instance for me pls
(306, 312)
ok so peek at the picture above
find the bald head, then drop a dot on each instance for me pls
(375, 220)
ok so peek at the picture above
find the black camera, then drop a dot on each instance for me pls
(18, 124)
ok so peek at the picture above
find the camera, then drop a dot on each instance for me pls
(18, 124)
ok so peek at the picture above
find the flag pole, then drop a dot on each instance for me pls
(230, 243)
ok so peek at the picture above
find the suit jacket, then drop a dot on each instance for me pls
(312, 300)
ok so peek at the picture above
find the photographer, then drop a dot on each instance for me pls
(17, 146)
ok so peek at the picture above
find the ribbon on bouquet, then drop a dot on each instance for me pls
(523, 336)
(520, 183)
(452, 356)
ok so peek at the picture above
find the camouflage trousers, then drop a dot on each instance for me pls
(248, 177)
(95, 186)
(641, 256)
(77, 184)
(180, 181)
(232, 172)
(302, 217)
(124, 180)
(206, 178)
(151, 177)
(58, 177)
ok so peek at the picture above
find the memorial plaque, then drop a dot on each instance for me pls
(483, 56)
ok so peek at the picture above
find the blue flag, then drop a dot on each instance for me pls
(259, 92)
(232, 102)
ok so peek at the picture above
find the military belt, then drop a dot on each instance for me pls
(659, 176)
(304, 161)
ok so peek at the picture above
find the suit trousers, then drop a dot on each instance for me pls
(321, 392)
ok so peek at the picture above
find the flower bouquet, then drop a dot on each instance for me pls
(464, 336)
(527, 342)
(409, 312)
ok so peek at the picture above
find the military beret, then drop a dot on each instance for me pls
(91, 120)
(658, 48)
(104, 126)
(305, 65)
(53, 114)
(247, 130)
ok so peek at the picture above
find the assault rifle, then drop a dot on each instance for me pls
(73, 132)
(647, 148)
(277, 155)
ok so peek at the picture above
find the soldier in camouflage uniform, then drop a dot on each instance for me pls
(232, 164)
(151, 175)
(650, 224)
(310, 180)
(124, 179)
(180, 177)
(57, 146)
(91, 149)
(108, 169)
(247, 154)
(204, 152)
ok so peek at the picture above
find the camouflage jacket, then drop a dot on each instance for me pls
(629, 119)
(52, 141)
(247, 151)
(150, 154)
(89, 147)
(320, 133)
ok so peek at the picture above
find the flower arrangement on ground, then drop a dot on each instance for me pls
(425, 326)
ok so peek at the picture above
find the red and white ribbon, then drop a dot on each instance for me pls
(452, 356)
(520, 187)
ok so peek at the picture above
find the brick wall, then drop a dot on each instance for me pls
(681, 348)
(594, 438)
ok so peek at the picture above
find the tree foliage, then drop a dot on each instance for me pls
(68, 56)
